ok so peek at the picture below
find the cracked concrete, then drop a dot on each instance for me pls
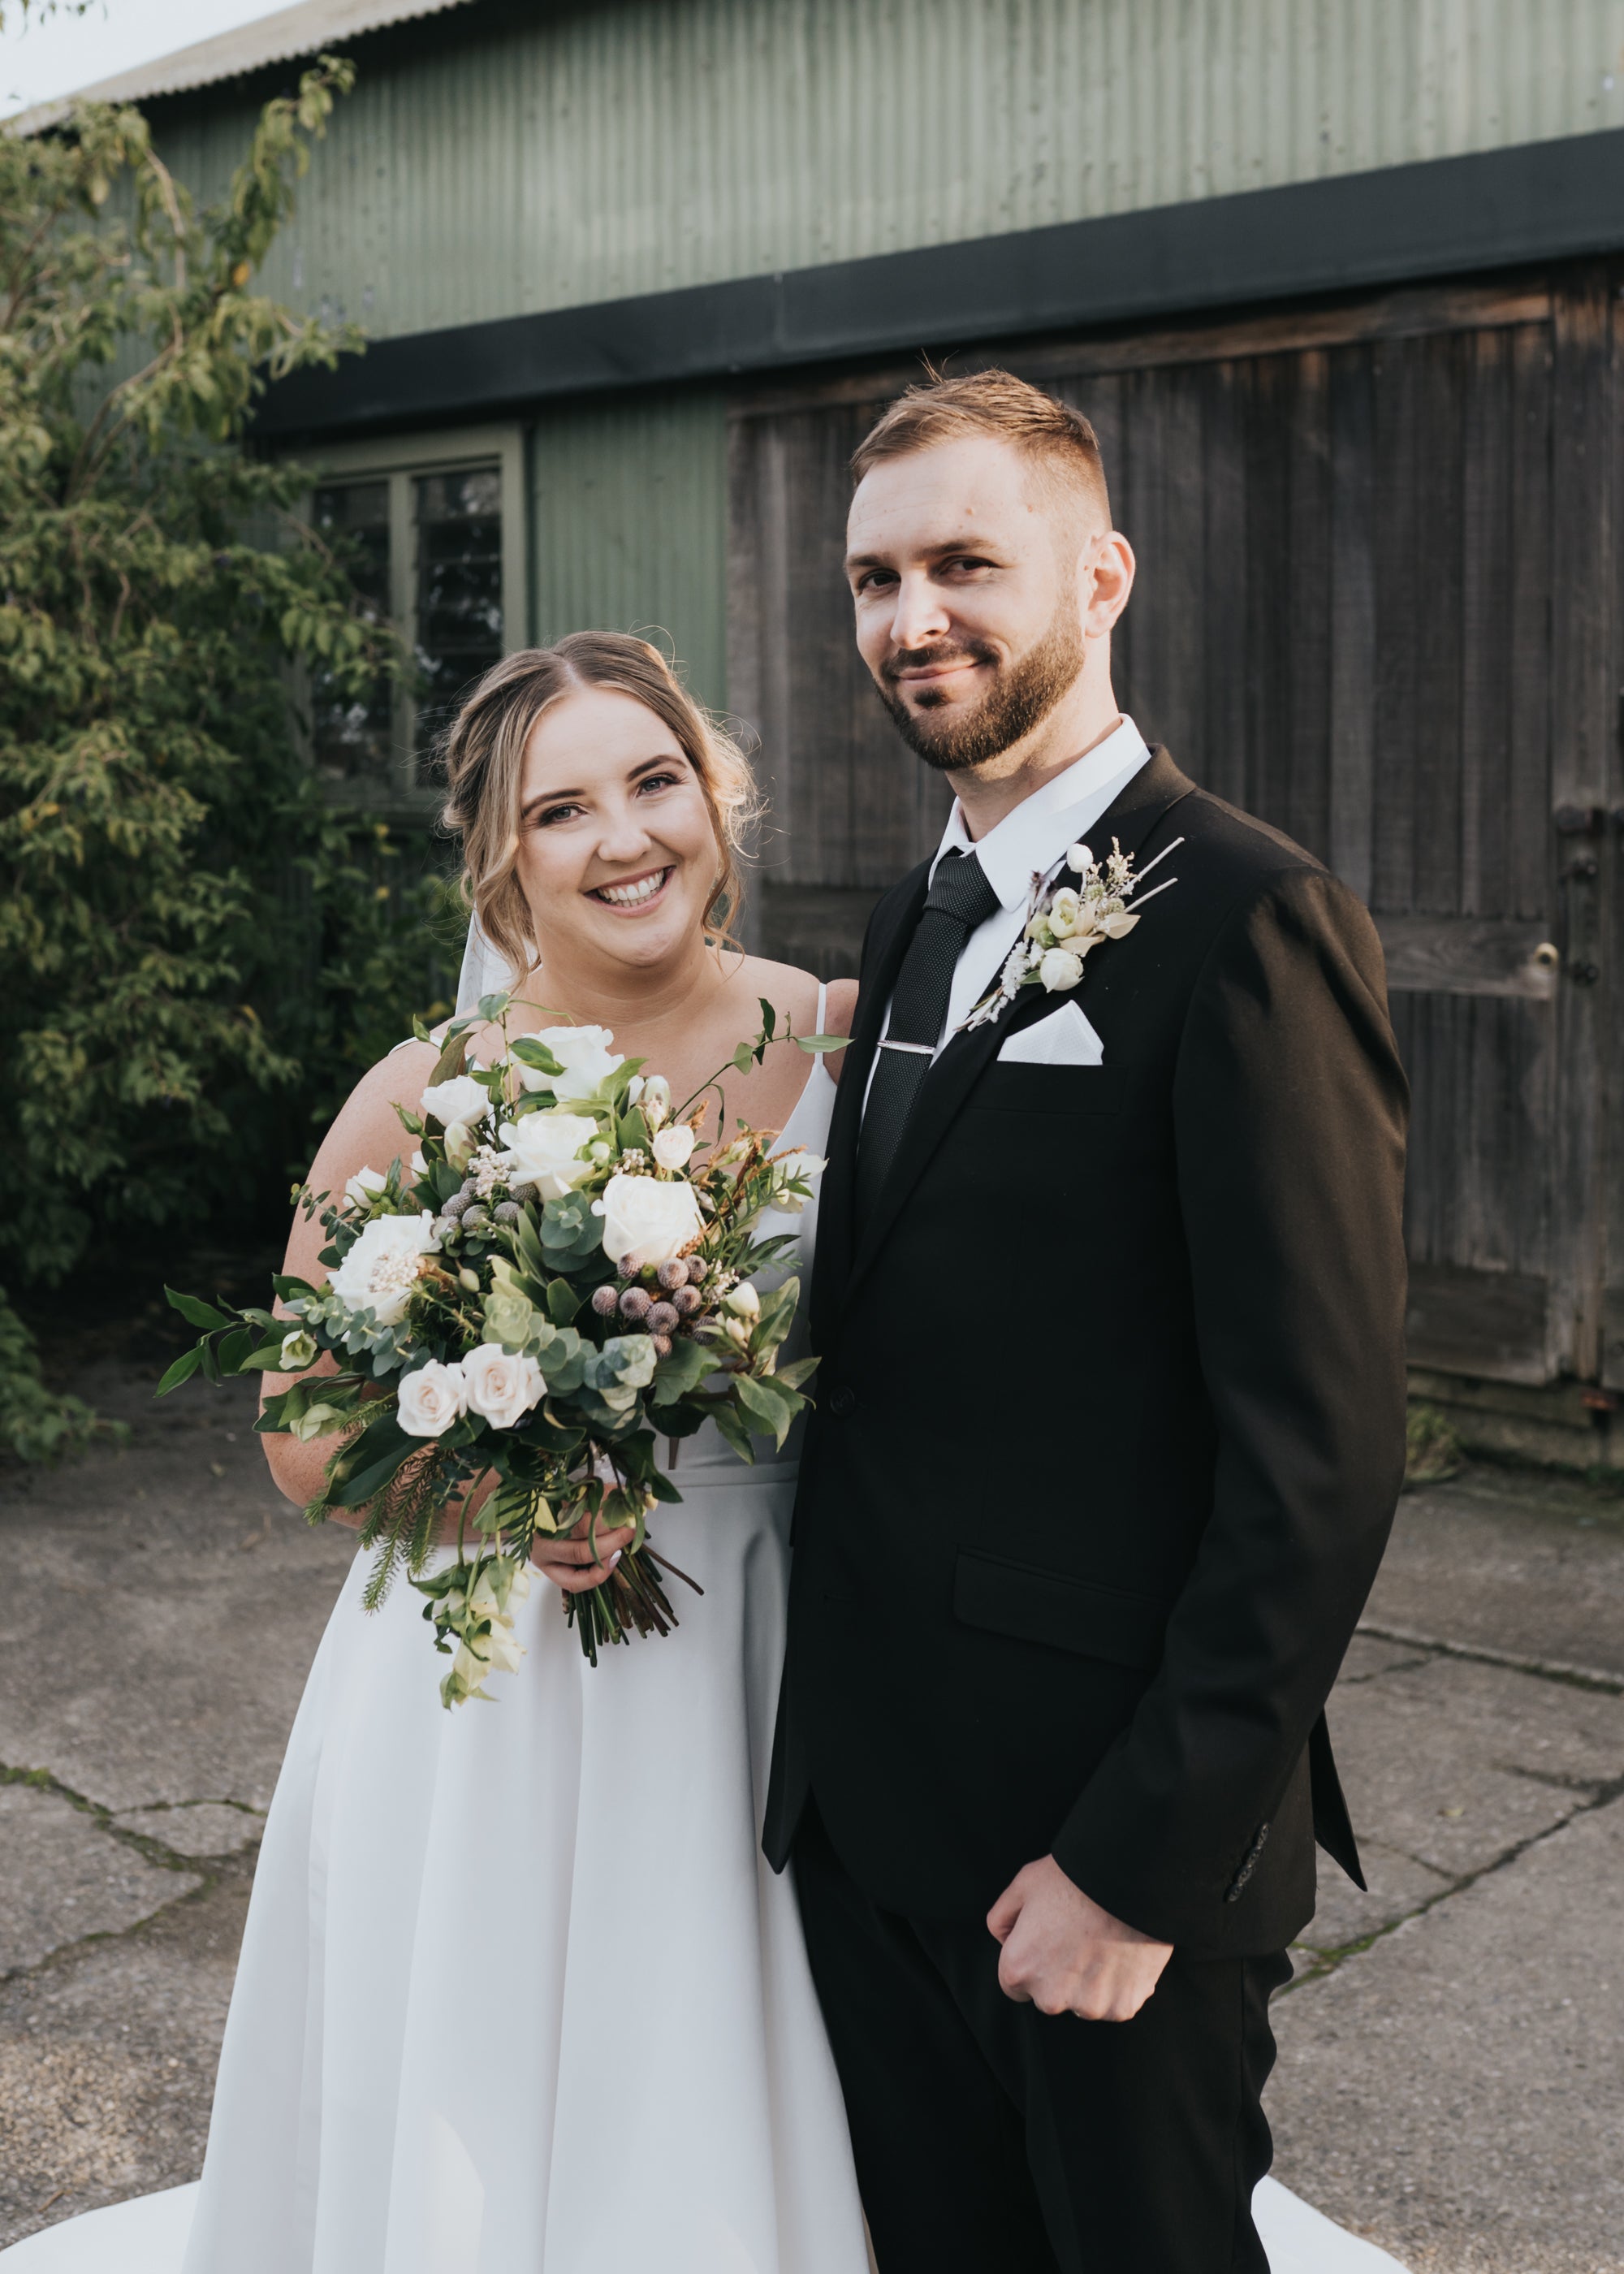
(66, 1880)
(1448, 2081)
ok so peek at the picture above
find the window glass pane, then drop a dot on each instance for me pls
(458, 531)
(352, 734)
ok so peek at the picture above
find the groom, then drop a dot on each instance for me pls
(1110, 1294)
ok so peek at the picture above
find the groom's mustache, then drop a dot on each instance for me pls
(927, 659)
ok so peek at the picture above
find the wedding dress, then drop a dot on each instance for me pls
(518, 1993)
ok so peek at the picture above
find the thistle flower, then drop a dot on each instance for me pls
(661, 1318)
(606, 1301)
(635, 1303)
(672, 1274)
(685, 1301)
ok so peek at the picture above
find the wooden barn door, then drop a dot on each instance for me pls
(1377, 606)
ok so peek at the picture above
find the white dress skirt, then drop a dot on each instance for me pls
(518, 1993)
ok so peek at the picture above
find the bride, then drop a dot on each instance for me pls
(518, 1993)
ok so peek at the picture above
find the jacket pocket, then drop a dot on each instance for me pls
(1049, 1089)
(1034, 1605)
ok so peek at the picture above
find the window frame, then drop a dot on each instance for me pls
(400, 460)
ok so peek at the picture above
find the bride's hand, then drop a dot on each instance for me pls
(575, 1564)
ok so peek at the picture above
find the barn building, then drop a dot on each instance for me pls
(1341, 285)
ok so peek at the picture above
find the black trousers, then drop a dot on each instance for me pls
(993, 2139)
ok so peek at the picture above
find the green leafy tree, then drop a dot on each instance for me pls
(189, 932)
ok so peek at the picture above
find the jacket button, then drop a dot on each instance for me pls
(842, 1400)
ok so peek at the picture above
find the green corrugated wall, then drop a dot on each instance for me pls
(496, 159)
(628, 504)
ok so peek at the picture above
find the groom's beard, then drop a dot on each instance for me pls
(954, 737)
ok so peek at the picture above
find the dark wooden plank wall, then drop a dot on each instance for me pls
(1377, 608)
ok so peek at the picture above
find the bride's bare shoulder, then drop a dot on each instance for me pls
(793, 992)
(367, 1130)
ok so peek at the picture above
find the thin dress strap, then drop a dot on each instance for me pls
(822, 1004)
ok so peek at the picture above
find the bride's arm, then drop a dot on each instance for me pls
(367, 1135)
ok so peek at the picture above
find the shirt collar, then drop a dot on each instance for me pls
(1032, 839)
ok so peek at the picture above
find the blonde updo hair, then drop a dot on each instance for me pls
(483, 754)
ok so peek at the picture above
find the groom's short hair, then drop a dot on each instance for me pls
(996, 404)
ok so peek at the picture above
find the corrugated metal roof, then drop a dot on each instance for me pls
(306, 30)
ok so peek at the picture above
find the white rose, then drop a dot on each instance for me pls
(364, 1187)
(654, 1219)
(1065, 913)
(801, 1167)
(500, 1385)
(432, 1399)
(460, 1099)
(583, 1052)
(1060, 969)
(673, 1147)
(382, 1270)
(542, 1151)
(1079, 860)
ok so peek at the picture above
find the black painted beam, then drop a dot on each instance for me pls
(1447, 216)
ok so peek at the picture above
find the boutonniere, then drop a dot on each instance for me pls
(1065, 922)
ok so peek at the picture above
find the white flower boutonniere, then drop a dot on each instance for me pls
(1065, 922)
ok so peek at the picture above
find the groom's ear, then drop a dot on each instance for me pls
(1105, 573)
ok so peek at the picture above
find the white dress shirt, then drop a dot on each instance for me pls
(1030, 842)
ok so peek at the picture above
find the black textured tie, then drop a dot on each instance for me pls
(959, 899)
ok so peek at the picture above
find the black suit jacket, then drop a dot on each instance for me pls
(1110, 1421)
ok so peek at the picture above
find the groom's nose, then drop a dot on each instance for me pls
(920, 616)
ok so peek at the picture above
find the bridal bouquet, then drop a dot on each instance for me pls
(559, 1276)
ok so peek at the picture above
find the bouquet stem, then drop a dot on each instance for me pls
(631, 1601)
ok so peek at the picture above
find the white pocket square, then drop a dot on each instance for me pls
(1064, 1038)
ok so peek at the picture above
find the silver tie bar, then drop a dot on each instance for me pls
(921, 1050)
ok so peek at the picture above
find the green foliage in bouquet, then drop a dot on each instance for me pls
(186, 925)
(559, 1278)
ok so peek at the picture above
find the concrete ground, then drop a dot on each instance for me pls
(1450, 2081)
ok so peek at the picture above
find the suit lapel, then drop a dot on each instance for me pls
(884, 960)
(1157, 786)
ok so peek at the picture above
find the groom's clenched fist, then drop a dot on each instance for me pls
(1063, 1954)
